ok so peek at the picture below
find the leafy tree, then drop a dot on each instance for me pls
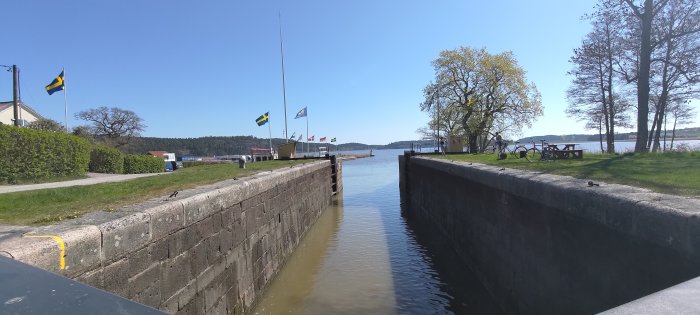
(595, 95)
(482, 91)
(114, 125)
(676, 62)
(644, 19)
(46, 125)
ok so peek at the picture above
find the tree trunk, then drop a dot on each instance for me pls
(600, 135)
(665, 131)
(643, 79)
(653, 128)
(673, 133)
(473, 143)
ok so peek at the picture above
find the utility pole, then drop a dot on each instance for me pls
(15, 93)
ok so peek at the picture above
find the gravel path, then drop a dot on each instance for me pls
(93, 178)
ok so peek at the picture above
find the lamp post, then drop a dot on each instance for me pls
(15, 91)
(436, 95)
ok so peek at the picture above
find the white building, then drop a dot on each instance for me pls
(26, 114)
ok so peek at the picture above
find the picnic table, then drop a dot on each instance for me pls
(566, 151)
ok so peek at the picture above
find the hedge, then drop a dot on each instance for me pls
(37, 154)
(104, 159)
(140, 163)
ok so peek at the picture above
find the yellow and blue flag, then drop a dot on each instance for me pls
(301, 113)
(263, 119)
(56, 85)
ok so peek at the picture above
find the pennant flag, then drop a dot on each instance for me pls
(311, 138)
(299, 139)
(322, 139)
(293, 135)
(263, 119)
(56, 85)
(301, 113)
(332, 139)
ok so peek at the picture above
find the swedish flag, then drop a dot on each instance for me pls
(263, 119)
(56, 85)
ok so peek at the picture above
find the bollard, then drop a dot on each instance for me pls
(241, 162)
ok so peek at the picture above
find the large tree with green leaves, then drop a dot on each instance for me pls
(486, 92)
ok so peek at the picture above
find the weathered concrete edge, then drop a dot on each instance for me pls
(99, 238)
(666, 220)
(679, 299)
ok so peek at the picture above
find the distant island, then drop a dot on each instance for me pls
(681, 134)
(216, 146)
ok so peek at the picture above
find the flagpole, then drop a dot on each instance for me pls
(284, 88)
(65, 100)
(269, 129)
(307, 130)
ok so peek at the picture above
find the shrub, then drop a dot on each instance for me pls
(37, 154)
(141, 163)
(104, 159)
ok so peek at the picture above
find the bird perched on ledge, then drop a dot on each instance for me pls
(591, 184)
(173, 195)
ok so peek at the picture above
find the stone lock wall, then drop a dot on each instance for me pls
(547, 244)
(210, 250)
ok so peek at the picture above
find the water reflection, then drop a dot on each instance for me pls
(362, 257)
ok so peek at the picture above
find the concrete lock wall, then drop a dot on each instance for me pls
(547, 244)
(210, 250)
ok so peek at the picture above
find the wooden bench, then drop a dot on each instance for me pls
(568, 154)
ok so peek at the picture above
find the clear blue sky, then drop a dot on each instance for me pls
(192, 69)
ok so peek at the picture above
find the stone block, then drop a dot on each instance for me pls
(248, 217)
(226, 240)
(150, 296)
(166, 219)
(170, 305)
(204, 229)
(195, 306)
(124, 234)
(221, 307)
(188, 293)
(214, 247)
(216, 222)
(150, 277)
(139, 260)
(92, 278)
(116, 277)
(40, 247)
(178, 242)
(159, 250)
(176, 273)
(199, 258)
(200, 206)
(82, 249)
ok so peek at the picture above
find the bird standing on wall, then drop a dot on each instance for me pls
(173, 195)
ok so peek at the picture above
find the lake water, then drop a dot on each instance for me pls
(620, 146)
(363, 257)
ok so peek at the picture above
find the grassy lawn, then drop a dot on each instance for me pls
(675, 173)
(45, 206)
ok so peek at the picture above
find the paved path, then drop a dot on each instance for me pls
(93, 178)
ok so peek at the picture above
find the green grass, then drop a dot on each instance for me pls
(45, 206)
(675, 173)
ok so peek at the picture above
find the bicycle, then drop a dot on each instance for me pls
(544, 154)
(515, 152)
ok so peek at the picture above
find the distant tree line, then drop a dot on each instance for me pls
(641, 57)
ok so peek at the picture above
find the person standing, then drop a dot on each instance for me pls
(499, 142)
